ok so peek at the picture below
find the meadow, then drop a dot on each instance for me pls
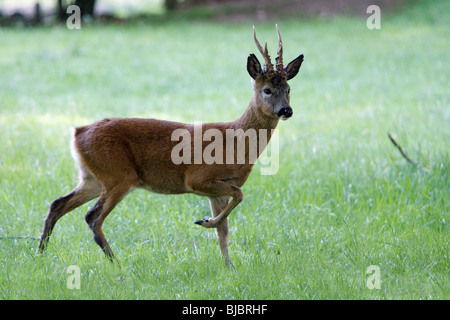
(343, 199)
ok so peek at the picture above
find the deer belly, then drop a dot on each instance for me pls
(166, 182)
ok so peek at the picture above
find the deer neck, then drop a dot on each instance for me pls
(253, 118)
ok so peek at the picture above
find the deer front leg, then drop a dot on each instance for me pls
(218, 188)
(216, 221)
(217, 205)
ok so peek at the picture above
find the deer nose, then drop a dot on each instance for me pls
(285, 113)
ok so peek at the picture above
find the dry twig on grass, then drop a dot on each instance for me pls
(399, 147)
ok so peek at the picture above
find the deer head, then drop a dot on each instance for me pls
(270, 88)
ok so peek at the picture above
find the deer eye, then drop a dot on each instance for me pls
(267, 91)
(289, 91)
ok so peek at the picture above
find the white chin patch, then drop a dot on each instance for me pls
(284, 118)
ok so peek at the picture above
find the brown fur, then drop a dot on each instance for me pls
(117, 155)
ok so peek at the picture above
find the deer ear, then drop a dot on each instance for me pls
(293, 67)
(253, 66)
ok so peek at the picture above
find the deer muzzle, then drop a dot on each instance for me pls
(285, 113)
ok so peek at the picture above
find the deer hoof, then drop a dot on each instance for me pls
(205, 222)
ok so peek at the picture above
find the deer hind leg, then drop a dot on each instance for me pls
(95, 217)
(87, 189)
(218, 204)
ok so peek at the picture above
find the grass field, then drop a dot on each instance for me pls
(344, 198)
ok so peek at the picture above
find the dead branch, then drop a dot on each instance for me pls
(395, 143)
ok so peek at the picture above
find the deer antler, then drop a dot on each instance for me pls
(265, 53)
(279, 58)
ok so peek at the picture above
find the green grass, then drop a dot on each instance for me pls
(343, 199)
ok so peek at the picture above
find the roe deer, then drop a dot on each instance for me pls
(116, 156)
